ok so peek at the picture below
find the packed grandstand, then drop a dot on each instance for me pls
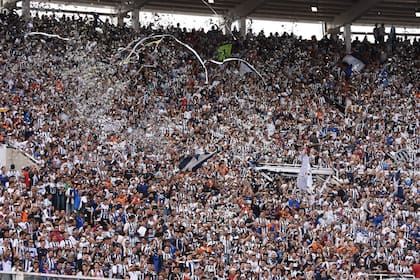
(145, 171)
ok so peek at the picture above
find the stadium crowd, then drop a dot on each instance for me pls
(109, 198)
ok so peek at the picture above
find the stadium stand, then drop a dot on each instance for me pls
(147, 172)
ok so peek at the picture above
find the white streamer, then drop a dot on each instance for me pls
(135, 47)
(178, 41)
(210, 7)
(47, 35)
(214, 11)
(128, 46)
(136, 53)
(237, 59)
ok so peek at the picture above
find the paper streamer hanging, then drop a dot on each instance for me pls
(137, 52)
(210, 7)
(46, 35)
(134, 48)
(129, 45)
(156, 43)
(216, 14)
(141, 42)
(240, 60)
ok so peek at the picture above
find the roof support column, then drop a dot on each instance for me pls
(324, 29)
(135, 16)
(120, 19)
(347, 37)
(242, 26)
(26, 9)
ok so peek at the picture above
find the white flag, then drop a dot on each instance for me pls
(243, 69)
(357, 65)
(304, 181)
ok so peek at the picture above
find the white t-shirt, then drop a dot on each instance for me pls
(7, 265)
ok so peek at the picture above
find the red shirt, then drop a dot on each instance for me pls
(27, 179)
(416, 270)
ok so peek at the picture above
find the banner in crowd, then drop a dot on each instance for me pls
(224, 51)
(194, 162)
(304, 181)
(356, 63)
(402, 156)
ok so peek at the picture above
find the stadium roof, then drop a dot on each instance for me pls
(336, 12)
(333, 12)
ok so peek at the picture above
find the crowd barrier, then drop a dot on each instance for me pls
(390, 276)
(13, 275)
(11, 154)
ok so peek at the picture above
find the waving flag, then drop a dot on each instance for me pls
(224, 51)
(243, 69)
(194, 162)
(356, 63)
(402, 156)
(304, 181)
(399, 191)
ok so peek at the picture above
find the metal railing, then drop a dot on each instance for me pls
(15, 275)
(26, 154)
(389, 276)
